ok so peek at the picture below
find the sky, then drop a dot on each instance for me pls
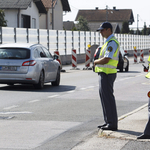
(141, 9)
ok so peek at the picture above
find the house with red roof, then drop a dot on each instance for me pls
(115, 16)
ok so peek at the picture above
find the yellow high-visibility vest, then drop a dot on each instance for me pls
(148, 59)
(111, 66)
(148, 75)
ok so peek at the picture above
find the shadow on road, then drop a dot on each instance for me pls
(30, 88)
(129, 72)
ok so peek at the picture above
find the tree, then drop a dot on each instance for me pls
(82, 24)
(3, 22)
(74, 29)
(125, 27)
(131, 31)
(148, 31)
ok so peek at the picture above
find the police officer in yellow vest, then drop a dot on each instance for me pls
(148, 74)
(106, 67)
(146, 133)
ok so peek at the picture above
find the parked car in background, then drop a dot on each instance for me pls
(28, 64)
(123, 62)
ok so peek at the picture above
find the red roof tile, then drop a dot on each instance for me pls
(48, 4)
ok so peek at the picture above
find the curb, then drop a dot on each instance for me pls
(132, 112)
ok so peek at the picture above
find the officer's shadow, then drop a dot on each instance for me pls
(129, 132)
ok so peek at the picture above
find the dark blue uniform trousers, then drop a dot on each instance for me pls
(147, 128)
(106, 83)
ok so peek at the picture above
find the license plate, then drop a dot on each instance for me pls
(8, 68)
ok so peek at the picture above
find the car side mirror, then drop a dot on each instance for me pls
(41, 54)
(126, 54)
(55, 57)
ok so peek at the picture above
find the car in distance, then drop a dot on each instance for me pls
(123, 61)
(28, 64)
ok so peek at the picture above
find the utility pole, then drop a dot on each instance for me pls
(137, 23)
(106, 13)
(52, 14)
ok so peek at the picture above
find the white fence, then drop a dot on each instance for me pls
(65, 41)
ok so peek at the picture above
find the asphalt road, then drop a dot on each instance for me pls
(58, 118)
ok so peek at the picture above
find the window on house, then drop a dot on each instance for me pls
(33, 23)
(25, 21)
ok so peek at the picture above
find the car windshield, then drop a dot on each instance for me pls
(122, 51)
(14, 53)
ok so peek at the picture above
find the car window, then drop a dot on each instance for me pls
(36, 54)
(48, 54)
(41, 52)
(14, 53)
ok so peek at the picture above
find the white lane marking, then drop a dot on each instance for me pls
(124, 79)
(90, 87)
(21, 112)
(71, 91)
(129, 78)
(53, 96)
(82, 88)
(146, 83)
(11, 107)
(33, 101)
(140, 75)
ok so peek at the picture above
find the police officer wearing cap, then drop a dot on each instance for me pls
(146, 133)
(106, 67)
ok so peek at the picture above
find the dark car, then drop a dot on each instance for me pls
(123, 59)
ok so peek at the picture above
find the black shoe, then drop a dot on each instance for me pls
(107, 127)
(143, 136)
(101, 125)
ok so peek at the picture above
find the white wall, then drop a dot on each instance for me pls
(33, 13)
(11, 15)
(58, 16)
(42, 21)
(46, 20)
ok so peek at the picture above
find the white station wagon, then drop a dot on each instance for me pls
(28, 64)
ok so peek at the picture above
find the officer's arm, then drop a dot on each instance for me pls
(102, 61)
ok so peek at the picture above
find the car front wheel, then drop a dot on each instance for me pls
(127, 69)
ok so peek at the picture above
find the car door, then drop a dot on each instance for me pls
(123, 57)
(51, 68)
(43, 60)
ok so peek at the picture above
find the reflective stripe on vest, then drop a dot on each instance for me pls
(111, 66)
